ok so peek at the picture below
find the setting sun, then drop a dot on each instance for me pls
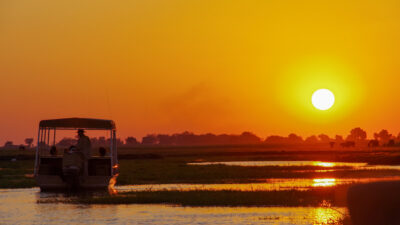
(323, 99)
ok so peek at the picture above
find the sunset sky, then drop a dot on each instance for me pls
(219, 66)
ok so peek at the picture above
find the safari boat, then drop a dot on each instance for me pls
(52, 172)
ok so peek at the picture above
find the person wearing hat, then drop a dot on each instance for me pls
(84, 146)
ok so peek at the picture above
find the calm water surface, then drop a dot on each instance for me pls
(18, 206)
(351, 165)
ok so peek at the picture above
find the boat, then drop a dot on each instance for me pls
(51, 170)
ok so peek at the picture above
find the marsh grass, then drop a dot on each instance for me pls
(169, 171)
(16, 174)
(170, 165)
(315, 197)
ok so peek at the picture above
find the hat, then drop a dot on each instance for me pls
(81, 131)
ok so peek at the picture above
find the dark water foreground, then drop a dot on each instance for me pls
(375, 203)
(19, 206)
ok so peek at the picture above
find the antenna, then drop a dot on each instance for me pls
(108, 104)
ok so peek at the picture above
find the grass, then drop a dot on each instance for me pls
(332, 196)
(18, 174)
(164, 171)
(168, 171)
(151, 165)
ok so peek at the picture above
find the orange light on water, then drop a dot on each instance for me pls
(112, 182)
(326, 215)
(325, 182)
(325, 164)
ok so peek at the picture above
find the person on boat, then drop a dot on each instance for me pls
(72, 159)
(84, 146)
(72, 166)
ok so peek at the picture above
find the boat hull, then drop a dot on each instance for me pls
(54, 182)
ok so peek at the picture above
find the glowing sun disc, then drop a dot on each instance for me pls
(323, 99)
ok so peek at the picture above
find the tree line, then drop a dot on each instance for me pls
(355, 136)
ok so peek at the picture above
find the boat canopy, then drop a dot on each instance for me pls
(78, 123)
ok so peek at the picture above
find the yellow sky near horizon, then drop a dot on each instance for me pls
(204, 66)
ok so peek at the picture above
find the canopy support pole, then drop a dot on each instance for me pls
(54, 139)
(48, 140)
(111, 152)
(37, 154)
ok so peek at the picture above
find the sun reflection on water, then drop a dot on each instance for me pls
(325, 164)
(325, 182)
(324, 215)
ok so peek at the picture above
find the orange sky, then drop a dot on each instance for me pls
(205, 66)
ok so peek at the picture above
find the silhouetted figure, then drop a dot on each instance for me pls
(53, 150)
(102, 151)
(84, 146)
(72, 166)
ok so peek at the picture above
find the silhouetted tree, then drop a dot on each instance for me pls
(373, 143)
(165, 139)
(8, 144)
(101, 141)
(189, 138)
(324, 138)
(129, 141)
(275, 139)
(383, 136)
(66, 142)
(348, 144)
(150, 139)
(118, 141)
(248, 138)
(28, 142)
(357, 134)
(311, 140)
(339, 138)
(294, 138)
(391, 143)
